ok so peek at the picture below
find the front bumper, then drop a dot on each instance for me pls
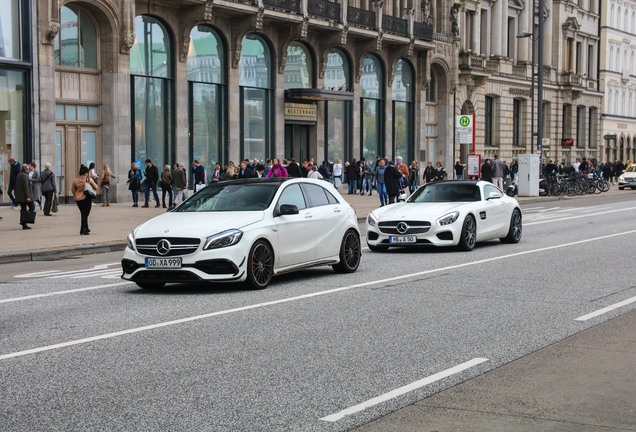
(629, 182)
(446, 235)
(220, 265)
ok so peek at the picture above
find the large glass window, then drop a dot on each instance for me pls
(516, 122)
(299, 67)
(255, 80)
(206, 76)
(489, 122)
(12, 118)
(10, 29)
(76, 43)
(152, 92)
(372, 108)
(337, 113)
(403, 86)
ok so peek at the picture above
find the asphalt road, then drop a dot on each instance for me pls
(82, 350)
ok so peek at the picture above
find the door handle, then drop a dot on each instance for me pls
(308, 216)
(337, 210)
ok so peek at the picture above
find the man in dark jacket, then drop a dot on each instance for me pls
(179, 183)
(353, 174)
(24, 195)
(486, 171)
(293, 169)
(199, 174)
(392, 177)
(152, 177)
(244, 171)
(13, 173)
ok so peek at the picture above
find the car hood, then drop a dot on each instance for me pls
(630, 174)
(196, 224)
(417, 210)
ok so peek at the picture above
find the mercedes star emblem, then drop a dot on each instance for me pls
(402, 227)
(163, 247)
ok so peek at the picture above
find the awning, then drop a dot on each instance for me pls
(314, 94)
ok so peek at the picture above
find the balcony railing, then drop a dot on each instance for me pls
(324, 9)
(249, 2)
(423, 31)
(492, 66)
(284, 5)
(519, 71)
(361, 17)
(395, 25)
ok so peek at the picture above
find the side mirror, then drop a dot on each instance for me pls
(287, 209)
(493, 195)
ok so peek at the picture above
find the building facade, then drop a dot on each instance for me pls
(498, 64)
(117, 81)
(618, 80)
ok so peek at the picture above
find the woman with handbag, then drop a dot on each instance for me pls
(107, 175)
(83, 189)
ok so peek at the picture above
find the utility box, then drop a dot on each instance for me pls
(529, 169)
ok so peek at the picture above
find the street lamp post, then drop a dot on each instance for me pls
(540, 72)
(531, 36)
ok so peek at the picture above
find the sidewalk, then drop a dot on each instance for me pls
(57, 236)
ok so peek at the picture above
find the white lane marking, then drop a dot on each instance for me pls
(55, 293)
(51, 274)
(303, 297)
(569, 218)
(403, 390)
(606, 309)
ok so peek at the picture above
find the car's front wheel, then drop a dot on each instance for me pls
(515, 229)
(260, 265)
(350, 253)
(468, 237)
(150, 285)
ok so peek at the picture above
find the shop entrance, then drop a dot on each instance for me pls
(296, 142)
(75, 145)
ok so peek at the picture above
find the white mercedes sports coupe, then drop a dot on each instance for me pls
(446, 213)
(245, 231)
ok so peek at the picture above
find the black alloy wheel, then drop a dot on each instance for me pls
(260, 266)
(468, 237)
(350, 253)
(516, 228)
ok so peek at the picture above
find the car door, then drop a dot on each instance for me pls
(329, 217)
(296, 235)
(495, 211)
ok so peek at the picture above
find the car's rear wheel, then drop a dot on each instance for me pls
(516, 228)
(377, 248)
(350, 253)
(468, 237)
(150, 285)
(260, 265)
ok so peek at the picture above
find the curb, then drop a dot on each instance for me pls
(62, 252)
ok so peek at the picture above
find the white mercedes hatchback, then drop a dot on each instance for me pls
(245, 231)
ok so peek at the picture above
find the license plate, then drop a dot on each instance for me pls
(163, 263)
(402, 239)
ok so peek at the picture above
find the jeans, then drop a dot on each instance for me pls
(459, 176)
(176, 192)
(413, 186)
(381, 189)
(337, 181)
(164, 192)
(147, 193)
(135, 195)
(353, 186)
(367, 182)
(105, 194)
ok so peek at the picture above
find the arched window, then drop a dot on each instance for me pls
(612, 12)
(611, 59)
(615, 107)
(610, 101)
(299, 69)
(255, 81)
(372, 108)
(628, 111)
(152, 91)
(207, 96)
(626, 21)
(618, 18)
(631, 63)
(76, 43)
(337, 112)
(633, 30)
(403, 87)
(623, 102)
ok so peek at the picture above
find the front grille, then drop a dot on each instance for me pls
(413, 227)
(178, 246)
(165, 276)
(417, 243)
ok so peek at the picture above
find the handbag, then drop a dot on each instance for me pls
(56, 202)
(89, 190)
(27, 216)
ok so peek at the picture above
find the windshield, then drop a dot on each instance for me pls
(231, 197)
(631, 168)
(446, 192)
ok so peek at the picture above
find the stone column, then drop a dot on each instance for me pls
(547, 35)
(496, 28)
(476, 46)
(525, 26)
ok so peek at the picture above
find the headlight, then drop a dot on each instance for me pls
(621, 178)
(371, 220)
(448, 219)
(131, 241)
(224, 239)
